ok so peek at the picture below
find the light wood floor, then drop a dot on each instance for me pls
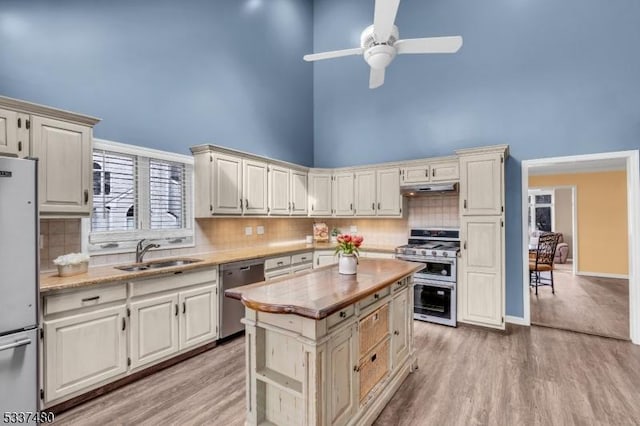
(586, 304)
(466, 376)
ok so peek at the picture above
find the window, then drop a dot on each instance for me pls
(541, 210)
(139, 193)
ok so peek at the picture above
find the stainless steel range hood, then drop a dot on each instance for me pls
(428, 189)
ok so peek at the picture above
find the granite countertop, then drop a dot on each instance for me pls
(50, 281)
(319, 293)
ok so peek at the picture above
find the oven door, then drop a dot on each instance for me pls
(435, 302)
(435, 268)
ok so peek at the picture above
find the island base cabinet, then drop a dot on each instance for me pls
(198, 322)
(83, 351)
(400, 328)
(154, 329)
(342, 377)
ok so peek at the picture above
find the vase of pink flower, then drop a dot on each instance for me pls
(347, 251)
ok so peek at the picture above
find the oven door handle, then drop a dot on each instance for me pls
(444, 260)
(450, 286)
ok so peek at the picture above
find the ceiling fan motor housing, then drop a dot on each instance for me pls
(378, 54)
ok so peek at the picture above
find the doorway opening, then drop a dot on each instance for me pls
(585, 210)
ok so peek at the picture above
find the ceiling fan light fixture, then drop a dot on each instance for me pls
(379, 56)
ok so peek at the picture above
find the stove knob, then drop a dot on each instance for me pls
(434, 253)
(424, 252)
(445, 254)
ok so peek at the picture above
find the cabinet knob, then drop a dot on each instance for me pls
(376, 296)
(433, 172)
(464, 204)
(184, 307)
(124, 323)
(343, 314)
(426, 173)
(396, 332)
(86, 196)
(177, 310)
(379, 206)
(19, 145)
(373, 206)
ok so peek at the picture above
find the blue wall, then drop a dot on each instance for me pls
(547, 77)
(169, 74)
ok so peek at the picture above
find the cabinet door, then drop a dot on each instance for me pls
(416, 174)
(199, 316)
(481, 184)
(83, 350)
(323, 258)
(320, 195)
(8, 132)
(279, 197)
(255, 187)
(298, 193)
(481, 289)
(154, 329)
(227, 184)
(445, 172)
(389, 198)
(343, 194)
(65, 166)
(342, 376)
(365, 193)
(400, 315)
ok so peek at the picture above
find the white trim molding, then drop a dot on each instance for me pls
(602, 275)
(632, 159)
(516, 320)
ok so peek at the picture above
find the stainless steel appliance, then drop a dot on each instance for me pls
(434, 286)
(233, 275)
(416, 190)
(18, 286)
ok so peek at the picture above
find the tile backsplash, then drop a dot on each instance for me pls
(62, 236)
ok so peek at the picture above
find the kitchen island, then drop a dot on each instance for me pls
(328, 349)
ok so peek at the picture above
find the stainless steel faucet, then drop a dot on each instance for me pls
(140, 250)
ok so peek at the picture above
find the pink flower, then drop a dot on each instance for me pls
(346, 238)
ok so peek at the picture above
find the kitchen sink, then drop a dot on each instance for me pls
(157, 264)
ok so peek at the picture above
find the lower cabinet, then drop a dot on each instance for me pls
(400, 317)
(198, 322)
(342, 351)
(323, 258)
(83, 350)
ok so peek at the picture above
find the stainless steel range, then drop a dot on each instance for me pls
(435, 285)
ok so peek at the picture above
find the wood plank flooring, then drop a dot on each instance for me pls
(466, 376)
(586, 304)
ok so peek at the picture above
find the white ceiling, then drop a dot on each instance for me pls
(586, 166)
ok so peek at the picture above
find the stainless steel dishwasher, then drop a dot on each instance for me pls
(233, 275)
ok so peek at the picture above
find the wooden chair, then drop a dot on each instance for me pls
(543, 261)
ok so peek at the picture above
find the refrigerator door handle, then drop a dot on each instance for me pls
(16, 344)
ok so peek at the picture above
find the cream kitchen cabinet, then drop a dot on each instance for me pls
(320, 194)
(400, 312)
(255, 185)
(482, 184)
(198, 318)
(432, 171)
(65, 167)
(343, 194)
(342, 356)
(389, 200)
(279, 191)
(226, 185)
(324, 257)
(416, 174)
(280, 266)
(299, 193)
(365, 193)
(9, 134)
(446, 171)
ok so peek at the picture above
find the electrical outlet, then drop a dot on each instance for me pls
(353, 229)
(248, 230)
(259, 229)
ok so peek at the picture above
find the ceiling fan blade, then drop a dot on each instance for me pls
(333, 54)
(376, 78)
(429, 45)
(383, 19)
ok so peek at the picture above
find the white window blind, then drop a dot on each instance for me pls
(139, 193)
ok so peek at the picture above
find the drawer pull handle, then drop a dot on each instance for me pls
(376, 296)
(124, 324)
(303, 258)
(184, 307)
(17, 344)
(343, 314)
(426, 173)
(280, 263)
(86, 196)
(177, 309)
(374, 357)
(91, 299)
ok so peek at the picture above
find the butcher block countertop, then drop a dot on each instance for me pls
(50, 281)
(319, 293)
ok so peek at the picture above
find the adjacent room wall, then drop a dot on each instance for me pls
(601, 197)
(549, 78)
(169, 74)
(563, 211)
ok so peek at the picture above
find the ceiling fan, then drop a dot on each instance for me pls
(380, 43)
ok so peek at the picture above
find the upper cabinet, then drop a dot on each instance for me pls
(299, 192)
(279, 191)
(432, 171)
(255, 187)
(320, 199)
(365, 193)
(226, 185)
(343, 194)
(389, 200)
(62, 142)
(481, 183)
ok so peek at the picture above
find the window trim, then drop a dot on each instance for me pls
(127, 240)
(532, 205)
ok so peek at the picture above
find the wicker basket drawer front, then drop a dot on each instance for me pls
(374, 328)
(374, 368)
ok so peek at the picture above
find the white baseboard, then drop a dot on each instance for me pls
(516, 320)
(602, 275)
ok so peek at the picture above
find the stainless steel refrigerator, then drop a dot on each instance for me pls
(18, 285)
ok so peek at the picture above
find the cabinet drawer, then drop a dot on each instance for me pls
(302, 258)
(370, 300)
(340, 316)
(400, 284)
(173, 281)
(84, 298)
(301, 268)
(445, 171)
(374, 328)
(277, 262)
(374, 368)
(277, 273)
